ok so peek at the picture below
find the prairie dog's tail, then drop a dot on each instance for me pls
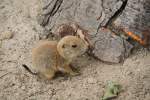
(28, 69)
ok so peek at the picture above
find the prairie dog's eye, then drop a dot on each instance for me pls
(74, 45)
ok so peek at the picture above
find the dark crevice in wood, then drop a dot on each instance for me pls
(109, 24)
(52, 12)
(116, 14)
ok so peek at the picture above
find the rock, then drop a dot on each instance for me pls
(109, 47)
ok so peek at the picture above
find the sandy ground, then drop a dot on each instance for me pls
(19, 18)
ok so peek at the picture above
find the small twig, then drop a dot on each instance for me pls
(125, 49)
(4, 74)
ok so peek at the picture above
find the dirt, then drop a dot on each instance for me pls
(19, 18)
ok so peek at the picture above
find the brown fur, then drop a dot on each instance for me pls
(48, 57)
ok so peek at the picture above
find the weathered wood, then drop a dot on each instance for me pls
(136, 18)
(84, 12)
(92, 14)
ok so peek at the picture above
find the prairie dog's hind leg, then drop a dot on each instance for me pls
(49, 74)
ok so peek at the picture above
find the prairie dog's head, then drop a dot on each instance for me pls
(70, 47)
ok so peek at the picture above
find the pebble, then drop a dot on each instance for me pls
(6, 35)
(23, 87)
(91, 80)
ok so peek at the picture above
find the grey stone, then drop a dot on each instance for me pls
(109, 47)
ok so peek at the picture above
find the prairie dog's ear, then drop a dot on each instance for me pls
(83, 35)
(63, 46)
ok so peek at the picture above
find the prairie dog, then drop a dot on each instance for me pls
(48, 57)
